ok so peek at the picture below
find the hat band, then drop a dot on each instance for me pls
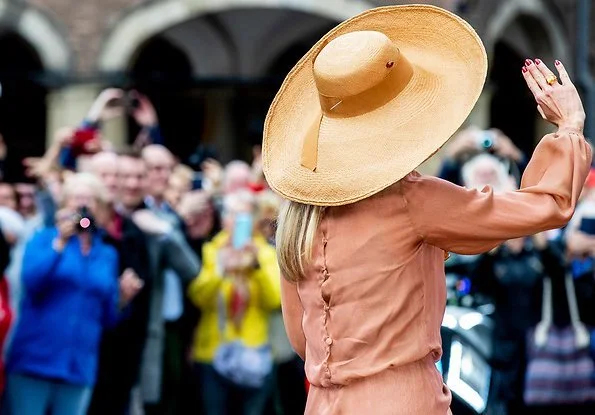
(398, 77)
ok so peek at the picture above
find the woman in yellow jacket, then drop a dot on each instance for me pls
(236, 290)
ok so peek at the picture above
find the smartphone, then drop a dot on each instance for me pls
(242, 230)
(80, 139)
(588, 226)
(197, 180)
(132, 100)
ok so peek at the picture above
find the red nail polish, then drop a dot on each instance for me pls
(524, 69)
(528, 62)
(537, 61)
(557, 62)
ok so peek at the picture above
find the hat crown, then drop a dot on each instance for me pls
(354, 62)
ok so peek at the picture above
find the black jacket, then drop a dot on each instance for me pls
(122, 347)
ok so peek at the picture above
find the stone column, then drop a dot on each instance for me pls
(69, 105)
(222, 127)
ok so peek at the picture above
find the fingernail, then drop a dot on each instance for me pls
(537, 61)
(528, 62)
(524, 69)
(557, 62)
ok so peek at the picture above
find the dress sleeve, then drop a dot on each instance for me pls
(470, 221)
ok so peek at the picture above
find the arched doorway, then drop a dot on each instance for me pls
(212, 78)
(513, 108)
(22, 105)
(253, 102)
(163, 72)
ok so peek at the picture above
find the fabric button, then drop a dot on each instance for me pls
(328, 341)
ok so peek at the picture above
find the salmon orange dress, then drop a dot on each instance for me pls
(366, 318)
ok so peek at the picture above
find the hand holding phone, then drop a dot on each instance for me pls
(242, 232)
(588, 226)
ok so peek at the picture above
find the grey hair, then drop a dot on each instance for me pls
(88, 180)
(469, 169)
(239, 197)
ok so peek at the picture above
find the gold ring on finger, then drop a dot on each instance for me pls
(551, 80)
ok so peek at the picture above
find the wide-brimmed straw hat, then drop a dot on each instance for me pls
(371, 101)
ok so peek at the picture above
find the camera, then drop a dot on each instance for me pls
(84, 220)
(486, 140)
(132, 100)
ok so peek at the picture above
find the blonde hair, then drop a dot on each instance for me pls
(296, 229)
(183, 172)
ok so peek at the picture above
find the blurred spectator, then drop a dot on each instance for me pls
(71, 293)
(11, 229)
(26, 200)
(180, 182)
(580, 240)
(144, 114)
(105, 166)
(172, 266)
(201, 224)
(486, 170)
(3, 154)
(200, 219)
(160, 164)
(132, 180)
(8, 197)
(512, 275)
(289, 396)
(237, 176)
(122, 346)
(268, 210)
(235, 291)
(472, 141)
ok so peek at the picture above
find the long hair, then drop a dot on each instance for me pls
(296, 229)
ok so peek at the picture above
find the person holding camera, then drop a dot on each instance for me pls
(71, 293)
(472, 141)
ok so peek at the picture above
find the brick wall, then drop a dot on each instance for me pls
(86, 22)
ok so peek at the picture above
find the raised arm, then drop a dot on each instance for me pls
(470, 221)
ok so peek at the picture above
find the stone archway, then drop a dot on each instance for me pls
(506, 19)
(41, 32)
(145, 21)
(517, 31)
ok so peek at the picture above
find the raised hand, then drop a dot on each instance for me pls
(130, 286)
(558, 100)
(105, 106)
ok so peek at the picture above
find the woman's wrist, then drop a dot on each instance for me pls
(572, 126)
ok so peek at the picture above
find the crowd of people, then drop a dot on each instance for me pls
(513, 279)
(136, 285)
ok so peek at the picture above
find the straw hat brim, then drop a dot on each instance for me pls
(360, 156)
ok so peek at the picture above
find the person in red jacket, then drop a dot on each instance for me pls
(5, 310)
